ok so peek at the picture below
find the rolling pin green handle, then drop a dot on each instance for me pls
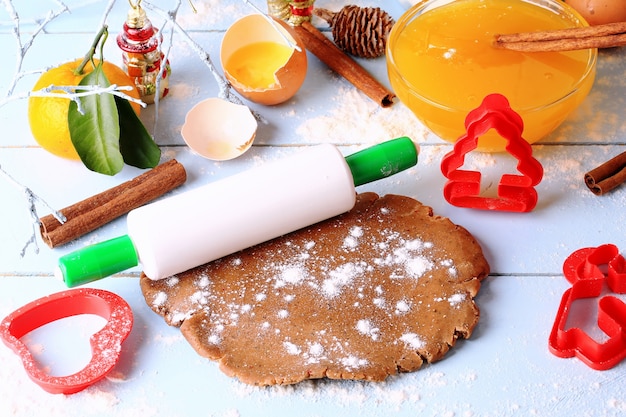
(97, 261)
(382, 160)
(119, 254)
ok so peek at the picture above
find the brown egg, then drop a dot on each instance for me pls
(258, 61)
(597, 12)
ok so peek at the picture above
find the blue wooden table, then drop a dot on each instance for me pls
(505, 368)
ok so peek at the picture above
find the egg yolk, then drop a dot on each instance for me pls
(255, 64)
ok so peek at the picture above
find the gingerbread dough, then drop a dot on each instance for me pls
(379, 290)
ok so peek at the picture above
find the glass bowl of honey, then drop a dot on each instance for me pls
(442, 62)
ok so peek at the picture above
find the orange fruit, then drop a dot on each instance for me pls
(47, 116)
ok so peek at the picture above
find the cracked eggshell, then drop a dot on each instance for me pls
(597, 12)
(219, 130)
(289, 75)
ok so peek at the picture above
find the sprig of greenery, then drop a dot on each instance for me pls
(104, 129)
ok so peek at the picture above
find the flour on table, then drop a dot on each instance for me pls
(356, 118)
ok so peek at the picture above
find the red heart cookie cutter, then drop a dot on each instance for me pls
(588, 270)
(105, 344)
(515, 192)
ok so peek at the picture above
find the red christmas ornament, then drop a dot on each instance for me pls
(302, 8)
(141, 53)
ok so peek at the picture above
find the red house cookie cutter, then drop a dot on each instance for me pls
(588, 270)
(515, 192)
(105, 344)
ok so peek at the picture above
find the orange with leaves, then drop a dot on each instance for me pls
(48, 116)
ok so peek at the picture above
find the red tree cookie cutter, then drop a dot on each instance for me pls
(515, 192)
(584, 269)
(105, 344)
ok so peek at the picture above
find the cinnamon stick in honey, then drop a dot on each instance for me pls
(607, 176)
(322, 47)
(600, 36)
(100, 209)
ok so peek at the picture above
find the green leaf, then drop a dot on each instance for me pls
(96, 133)
(136, 144)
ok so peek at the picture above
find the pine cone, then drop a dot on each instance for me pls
(360, 31)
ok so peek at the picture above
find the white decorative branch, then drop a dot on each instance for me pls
(32, 198)
(106, 13)
(23, 45)
(22, 48)
(225, 89)
(223, 85)
(69, 92)
(171, 18)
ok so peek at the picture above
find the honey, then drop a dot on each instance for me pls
(443, 63)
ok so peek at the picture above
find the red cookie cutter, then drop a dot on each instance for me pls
(105, 344)
(515, 192)
(588, 270)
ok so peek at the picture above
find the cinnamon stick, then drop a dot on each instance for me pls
(600, 36)
(607, 176)
(340, 62)
(98, 210)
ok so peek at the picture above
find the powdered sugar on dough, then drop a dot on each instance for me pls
(366, 327)
(412, 340)
(406, 255)
(336, 303)
(409, 258)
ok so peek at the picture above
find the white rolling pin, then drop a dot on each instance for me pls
(190, 229)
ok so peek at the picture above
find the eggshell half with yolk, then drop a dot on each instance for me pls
(267, 56)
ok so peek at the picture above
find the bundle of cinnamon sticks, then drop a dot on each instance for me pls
(607, 176)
